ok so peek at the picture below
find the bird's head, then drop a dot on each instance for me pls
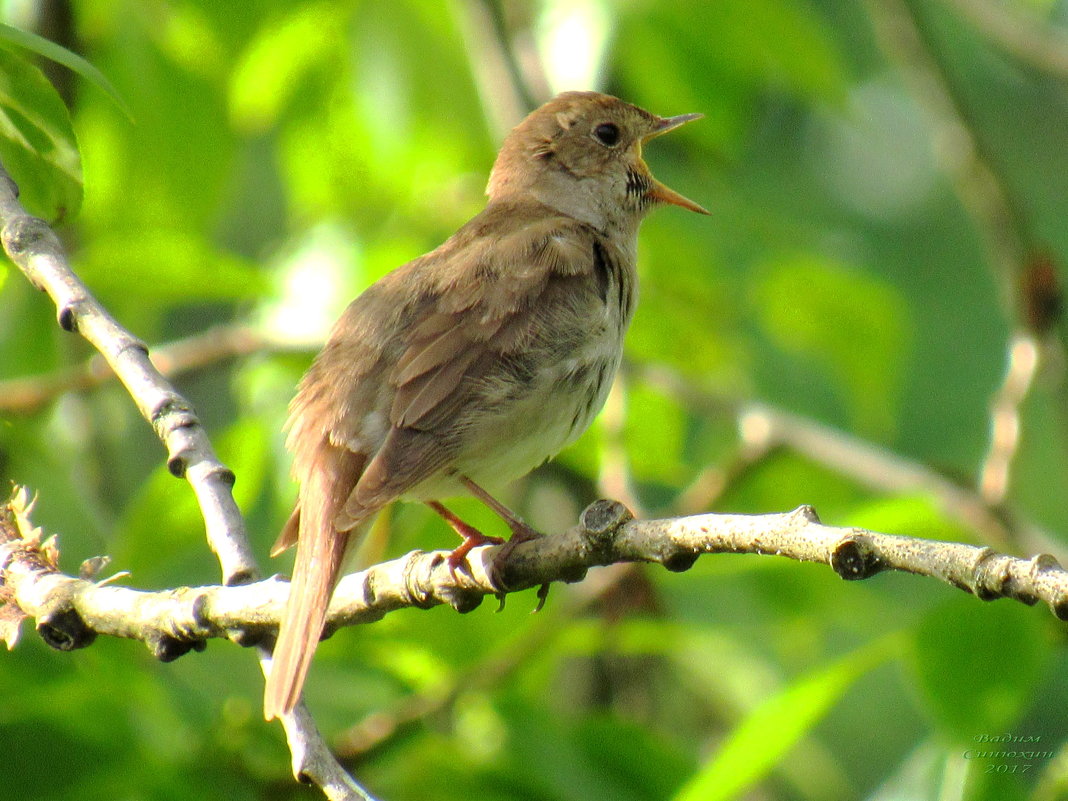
(581, 153)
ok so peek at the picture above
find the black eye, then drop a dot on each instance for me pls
(607, 133)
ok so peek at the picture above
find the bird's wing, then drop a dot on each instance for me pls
(498, 305)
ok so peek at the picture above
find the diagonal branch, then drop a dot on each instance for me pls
(36, 250)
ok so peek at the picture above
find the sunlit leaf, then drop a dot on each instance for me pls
(61, 55)
(849, 323)
(37, 142)
(775, 726)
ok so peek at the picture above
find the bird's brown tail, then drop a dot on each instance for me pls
(320, 554)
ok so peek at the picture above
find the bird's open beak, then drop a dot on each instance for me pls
(657, 191)
(665, 124)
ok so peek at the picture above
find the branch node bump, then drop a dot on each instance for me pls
(464, 602)
(64, 630)
(23, 232)
(680, 561)
(982, 586)
(807, 513)
(132, 343)
(68, 318)
(177, 464)
(173, 405)
(224, 474)
(414, 585)
(167, 648)
(240, 577)
(1059, 606)
(853, 558)
(602, 518)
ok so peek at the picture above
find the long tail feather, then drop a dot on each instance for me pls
(320, 554)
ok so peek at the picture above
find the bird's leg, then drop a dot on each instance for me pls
(521, 532)
(472, 536)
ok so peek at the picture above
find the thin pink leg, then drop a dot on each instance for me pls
(521, 532)
(472, 536)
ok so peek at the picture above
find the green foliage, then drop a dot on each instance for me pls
(977, 667)
(37, 143)
(265, 166)
(760, 741)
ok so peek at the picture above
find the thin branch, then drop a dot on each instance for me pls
(503, 93)
(763, 428)
(384, 725)
(1023, 361)
(1022, 35)
(36, 250)
(1000, 218)
(962, 154)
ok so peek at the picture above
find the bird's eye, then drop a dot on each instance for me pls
(607, 133)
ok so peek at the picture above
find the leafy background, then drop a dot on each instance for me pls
(280, 156)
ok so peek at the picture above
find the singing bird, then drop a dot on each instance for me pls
(475, 363)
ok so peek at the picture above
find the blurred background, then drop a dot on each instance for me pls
(868, 322)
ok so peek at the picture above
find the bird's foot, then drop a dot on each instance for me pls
(473, 538)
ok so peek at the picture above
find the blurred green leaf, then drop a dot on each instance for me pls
(977, 664)
(270, 70)
(168, 266)
(37, 142)
(853, 325)
(776, 725)
(653, 434)
(61, 55)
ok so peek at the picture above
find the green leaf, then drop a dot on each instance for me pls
(977, 664)
(37, 142)
(270, 70)
(852, 324)
(168, 265)
(61, 55)
(777, 724)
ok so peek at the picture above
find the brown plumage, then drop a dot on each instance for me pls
(476, 362)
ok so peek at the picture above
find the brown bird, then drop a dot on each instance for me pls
(474, 363)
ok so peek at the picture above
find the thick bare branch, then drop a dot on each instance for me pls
(175, 621)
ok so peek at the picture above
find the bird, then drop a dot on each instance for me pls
(475, 363)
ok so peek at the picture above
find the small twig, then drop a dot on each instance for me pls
(1023, 362)
(28, 394)
(963, 155)
(313, 760)
(999, 217)
(501, 89)
(383, 725)
(763, 427)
